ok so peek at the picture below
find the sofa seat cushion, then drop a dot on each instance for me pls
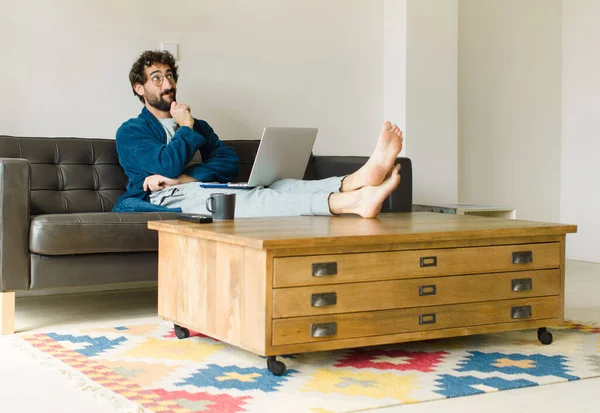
(96, 232)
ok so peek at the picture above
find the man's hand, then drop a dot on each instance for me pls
(157, 182)
(181, 114)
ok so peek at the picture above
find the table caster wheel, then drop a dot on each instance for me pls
(274, 366)
(181, 332)
(544, 336)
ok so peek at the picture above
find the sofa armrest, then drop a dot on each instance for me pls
(14, 224)
(400, 200)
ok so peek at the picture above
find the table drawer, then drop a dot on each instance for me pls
(384, 295)
(376, 266)
(374, 323)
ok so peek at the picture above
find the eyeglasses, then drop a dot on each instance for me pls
(158, 80)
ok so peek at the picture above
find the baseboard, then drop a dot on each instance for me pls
(89, 289)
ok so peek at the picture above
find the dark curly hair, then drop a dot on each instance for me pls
(149, 58)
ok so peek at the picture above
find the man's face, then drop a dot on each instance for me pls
(160, 89)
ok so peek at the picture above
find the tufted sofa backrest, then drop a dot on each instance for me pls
(69, 174)
(83, 175)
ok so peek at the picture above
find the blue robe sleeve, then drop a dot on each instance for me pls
(143, 153)
(220, 163)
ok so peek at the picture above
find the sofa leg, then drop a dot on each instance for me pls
(7, 313)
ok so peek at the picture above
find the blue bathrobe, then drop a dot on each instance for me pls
(143, 151)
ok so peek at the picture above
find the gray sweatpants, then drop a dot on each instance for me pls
(287, 197)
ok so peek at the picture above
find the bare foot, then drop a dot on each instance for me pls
(379, 165)
(366, 201)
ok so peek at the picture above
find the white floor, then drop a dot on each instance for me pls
(27, 387)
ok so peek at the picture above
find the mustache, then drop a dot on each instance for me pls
(167, 92)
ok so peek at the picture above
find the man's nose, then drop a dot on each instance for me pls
(166, 84)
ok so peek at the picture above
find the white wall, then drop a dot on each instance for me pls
(431, 99)
(580, 196)
(244, 65)
(341, 65)
(394, 63)
(510, 105)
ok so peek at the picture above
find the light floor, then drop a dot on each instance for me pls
(26, 387)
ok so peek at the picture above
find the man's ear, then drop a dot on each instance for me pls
(139, 89)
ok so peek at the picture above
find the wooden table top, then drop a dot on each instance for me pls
(316, 231)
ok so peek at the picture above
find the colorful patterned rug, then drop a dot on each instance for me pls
(147, 367)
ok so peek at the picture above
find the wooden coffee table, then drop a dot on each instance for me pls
(278, 286)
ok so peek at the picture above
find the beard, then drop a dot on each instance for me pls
(157, 101)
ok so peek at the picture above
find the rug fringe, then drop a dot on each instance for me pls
(78, 380)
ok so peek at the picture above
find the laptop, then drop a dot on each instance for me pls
(283, 153)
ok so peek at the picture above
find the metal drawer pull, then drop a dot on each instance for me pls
(323, 300)
(426, 319)
(522, 257)
(324, 268)
(523, 311)
(323, 330)
(427, 290)
(428, 262)
(522, 284)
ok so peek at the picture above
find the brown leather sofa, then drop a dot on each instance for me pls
(56, 225)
